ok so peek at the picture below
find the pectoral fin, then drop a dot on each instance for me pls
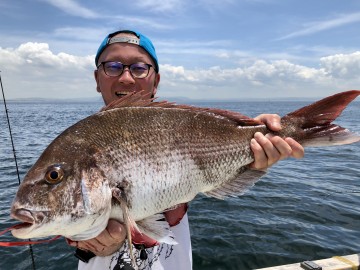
(155, 228)
(150, 231)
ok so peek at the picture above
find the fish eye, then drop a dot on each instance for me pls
(54, 174)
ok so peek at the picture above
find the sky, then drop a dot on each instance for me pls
(207, 49)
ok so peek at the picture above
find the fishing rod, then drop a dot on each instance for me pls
(14, 154)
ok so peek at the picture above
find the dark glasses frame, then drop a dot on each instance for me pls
(115, 69)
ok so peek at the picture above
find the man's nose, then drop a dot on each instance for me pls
(126, 77)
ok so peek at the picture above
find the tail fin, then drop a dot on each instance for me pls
(316, 120)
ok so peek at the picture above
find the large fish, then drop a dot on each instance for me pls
(136, 158)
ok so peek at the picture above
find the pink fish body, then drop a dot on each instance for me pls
(137, 158)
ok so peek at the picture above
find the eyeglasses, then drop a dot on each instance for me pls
(114, 69)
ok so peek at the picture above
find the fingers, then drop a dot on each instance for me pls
(107, 242)
(272, 121)
(266, 152)
(88, 245)
(116, 230)
(297, 149)
(269, 149)
(92, 245)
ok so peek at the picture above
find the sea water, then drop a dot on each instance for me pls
(301, 210)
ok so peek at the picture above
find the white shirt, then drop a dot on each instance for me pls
(162, 257)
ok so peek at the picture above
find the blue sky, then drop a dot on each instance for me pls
(229, 49)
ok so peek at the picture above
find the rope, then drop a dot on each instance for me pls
(347, 261)
(23, 243)
(16, 164)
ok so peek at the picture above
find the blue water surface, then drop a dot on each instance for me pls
(301, 210)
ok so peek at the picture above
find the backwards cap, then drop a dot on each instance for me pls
(140, 40)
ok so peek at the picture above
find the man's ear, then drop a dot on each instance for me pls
(156, 84)
(96, 76)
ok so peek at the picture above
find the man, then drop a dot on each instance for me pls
(126, 62)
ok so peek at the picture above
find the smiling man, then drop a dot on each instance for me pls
(114, 78)
(126, 62)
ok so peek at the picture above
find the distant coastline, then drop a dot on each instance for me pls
(174, 99)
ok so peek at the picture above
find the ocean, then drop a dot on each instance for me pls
(301, 210)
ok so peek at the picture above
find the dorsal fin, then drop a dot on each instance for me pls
(139, 99)
(133, 99)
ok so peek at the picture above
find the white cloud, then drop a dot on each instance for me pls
(214, 6)
(160, 5)
(262, 79)
(139, 21)
(260, 71)
(342, 66)
(315, 27)
(33, 70)
(81, 34)
(73, 8)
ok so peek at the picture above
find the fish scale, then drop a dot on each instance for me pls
(167, 144)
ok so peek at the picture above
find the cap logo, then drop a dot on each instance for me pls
(133, 40)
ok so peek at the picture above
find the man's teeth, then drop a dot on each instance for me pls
(120, 94)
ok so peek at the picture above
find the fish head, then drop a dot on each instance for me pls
(64, 193)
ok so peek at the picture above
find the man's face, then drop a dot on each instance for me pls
(112, 88)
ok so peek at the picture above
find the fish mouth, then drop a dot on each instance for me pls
(23, 215)
(30, 221)
(23, 225)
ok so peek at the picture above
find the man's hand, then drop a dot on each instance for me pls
(107, 242)
(269, 149)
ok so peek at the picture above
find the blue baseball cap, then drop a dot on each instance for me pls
(141, 40)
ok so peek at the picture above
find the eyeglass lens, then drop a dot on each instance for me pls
(137, 70)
